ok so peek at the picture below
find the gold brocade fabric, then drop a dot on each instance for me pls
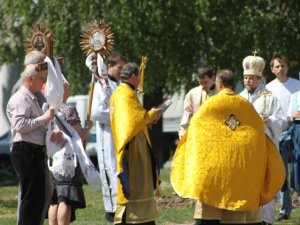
(128, 118)
(225, 159)
(141, 205)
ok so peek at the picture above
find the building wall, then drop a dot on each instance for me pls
(9, 74)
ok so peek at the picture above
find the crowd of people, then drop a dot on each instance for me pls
(232, 156)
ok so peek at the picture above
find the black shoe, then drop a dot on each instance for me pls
(109, 216)
(283, 216)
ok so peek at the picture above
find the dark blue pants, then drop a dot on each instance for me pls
(29, 163)
(285, 148)
(295, 158)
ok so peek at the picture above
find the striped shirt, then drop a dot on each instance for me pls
(25, 116)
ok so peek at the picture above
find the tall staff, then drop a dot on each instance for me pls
(140, 88)
(97, 42)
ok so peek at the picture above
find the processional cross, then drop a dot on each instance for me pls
(255, 52)
(264, 93)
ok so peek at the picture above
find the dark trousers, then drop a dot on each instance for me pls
(216, 222)
(29, 161)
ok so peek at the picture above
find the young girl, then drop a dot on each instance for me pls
(68, 193)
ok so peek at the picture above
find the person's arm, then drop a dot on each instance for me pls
(100, 105)
(83, 131)
(72, 118)
(21, 120)
(293, 111)
(154, 115)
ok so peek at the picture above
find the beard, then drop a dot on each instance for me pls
(250, 88)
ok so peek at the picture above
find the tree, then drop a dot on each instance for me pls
(174, 34)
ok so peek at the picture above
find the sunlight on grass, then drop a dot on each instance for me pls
(169, 212)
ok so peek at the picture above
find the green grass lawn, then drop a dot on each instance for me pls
(93, 214)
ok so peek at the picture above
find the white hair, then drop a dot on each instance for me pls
(29, 71)
(34, 57)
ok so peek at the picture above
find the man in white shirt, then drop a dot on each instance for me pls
(196, 96)
(283, 87)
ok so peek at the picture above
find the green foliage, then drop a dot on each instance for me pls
(175, 35)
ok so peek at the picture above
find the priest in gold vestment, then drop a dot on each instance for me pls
(136, 168)
(225, 160)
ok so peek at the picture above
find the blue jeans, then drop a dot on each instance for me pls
(285, 147)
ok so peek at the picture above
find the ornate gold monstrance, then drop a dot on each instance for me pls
(97, 37)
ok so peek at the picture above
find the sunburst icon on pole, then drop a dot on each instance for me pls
(97, 37)
(37, 38)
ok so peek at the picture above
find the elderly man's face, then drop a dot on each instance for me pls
(36, 81)
(251, 82)
(206, 82)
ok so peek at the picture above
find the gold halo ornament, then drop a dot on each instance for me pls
(97, 37)
(37, 38)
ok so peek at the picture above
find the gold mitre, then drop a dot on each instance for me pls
(253, 65)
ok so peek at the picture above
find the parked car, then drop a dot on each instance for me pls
(5, 144)
(5, 163)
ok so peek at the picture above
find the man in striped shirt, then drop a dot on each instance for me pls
(28, 152)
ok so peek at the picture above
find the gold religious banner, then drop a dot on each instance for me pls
(40, 38)
(97, 37)
(264, 94)
(140, 88)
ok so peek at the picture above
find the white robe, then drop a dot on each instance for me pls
(105, 145)
(273, 129)
(277, 120)
(192, 101)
